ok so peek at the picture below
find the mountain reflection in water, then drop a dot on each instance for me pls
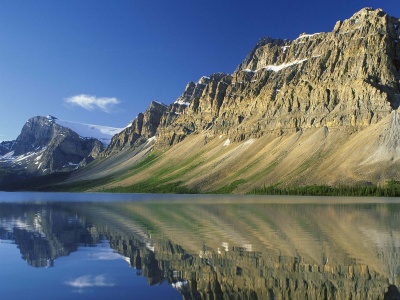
(217, 248)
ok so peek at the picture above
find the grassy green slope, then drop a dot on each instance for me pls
(306, 162)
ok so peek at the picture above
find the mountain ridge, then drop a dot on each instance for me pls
(292, 113)
(47, 145)
(291, 80)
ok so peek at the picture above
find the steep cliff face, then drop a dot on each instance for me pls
(347, 78)
(198, 110)
(45, 147)
(321, 109)
(143, 127)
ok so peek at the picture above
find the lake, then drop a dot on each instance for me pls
(129, 246)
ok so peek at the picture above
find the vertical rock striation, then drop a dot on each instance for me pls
(142, 128)
(347, 78)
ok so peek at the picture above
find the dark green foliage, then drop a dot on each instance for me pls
(79, 186)
(153, 187)
(227, 189)
(22, 182)
(5, 174)
(391, 189)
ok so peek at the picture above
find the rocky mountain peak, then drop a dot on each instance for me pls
(188, 92)
(345, 78)
(262, 42)
(273, 41)
(365, 20)
(6, 146)
(152, 117)
(44, 146)
(36, 133)
(143, 127)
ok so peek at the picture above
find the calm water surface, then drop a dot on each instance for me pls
(106, 246)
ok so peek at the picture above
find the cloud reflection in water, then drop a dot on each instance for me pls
(88, 281)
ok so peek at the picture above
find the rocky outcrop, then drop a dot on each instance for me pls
(143, 127)
(5, 147)
(183, 101)
(202, 107)
(45, 147)
(347, 78)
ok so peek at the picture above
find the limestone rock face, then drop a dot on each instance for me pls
(127, 137)
(347, 78)
(320, 109)
(183, 101)
(45, 147)
(142, 128)
(151, 118)
(200, 110)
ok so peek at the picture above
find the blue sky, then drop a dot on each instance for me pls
(103, 61)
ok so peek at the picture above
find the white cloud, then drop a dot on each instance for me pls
(107, 256)
(90, 102)
(87, 281)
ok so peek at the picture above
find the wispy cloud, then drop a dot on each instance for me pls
(88, 281)
(91, 102)
(107, 256)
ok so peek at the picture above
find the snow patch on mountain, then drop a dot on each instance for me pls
(102, 133)
(8, 155)
(180, 102)
(305, 35)
(277, 68)
(150, 140)
(227, 142)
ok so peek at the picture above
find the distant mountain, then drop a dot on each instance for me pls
(5, 147)
(48, 145)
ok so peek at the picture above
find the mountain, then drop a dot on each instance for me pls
(5, 147)
(347, 78)
(48, 145)
(321, 109)
(143, 127)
